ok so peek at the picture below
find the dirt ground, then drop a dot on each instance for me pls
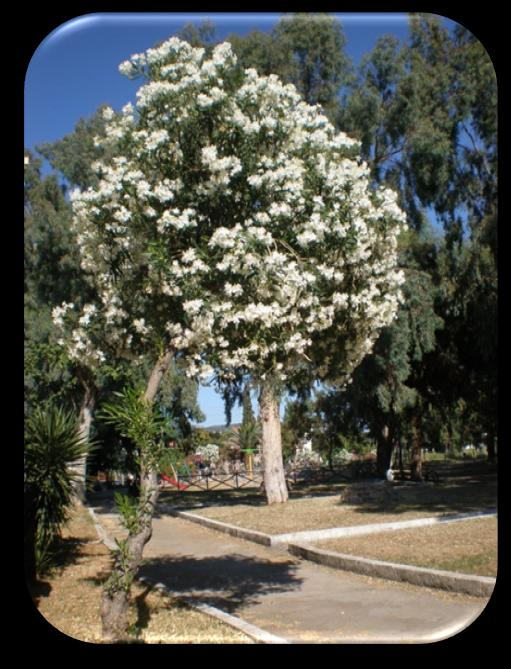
(468, 547)
(69, 598)
(303, 514)
(461, 490)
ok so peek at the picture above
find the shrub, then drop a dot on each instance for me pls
(307, 459)
(341, 457)
(52, 444)
(209, 453)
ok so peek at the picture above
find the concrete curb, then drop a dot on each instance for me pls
(355, 530)
(254, 632)
(479, 586)
(318, 535)
(240, 532)
(100, 530)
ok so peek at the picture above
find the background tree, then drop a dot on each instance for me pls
(307, 50)
(332, 433)
(425, 131)
(249, 434)
(52, 275)
(464, 371)
(50, 278)
(202, 36)
(319, 65)
(297, 424)
(385, 394)
(73, 155)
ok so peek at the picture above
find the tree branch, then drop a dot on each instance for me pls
(477, 149)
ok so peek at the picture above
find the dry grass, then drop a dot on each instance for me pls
(468, 547)
(462, 492)
(69, 598)
(303, 514)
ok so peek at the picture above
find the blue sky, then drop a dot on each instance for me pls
(75, 69)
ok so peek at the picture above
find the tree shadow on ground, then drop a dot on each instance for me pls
(64, 552)
(196, 499)
(199, 499)
(228, 582)
(143, 613)
(38, 590)
(463, 495)
(67, 551)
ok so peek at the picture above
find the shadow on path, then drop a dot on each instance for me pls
(228, 581)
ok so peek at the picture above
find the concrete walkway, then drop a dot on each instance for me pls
(295, 600)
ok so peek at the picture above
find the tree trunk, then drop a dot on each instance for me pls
(153, 385)
(116, 596)
(400, 454)
(490, 444)
(330, 457)
(384, 449)
(115, 609)
(273, 465)
(416, 464)
(79, 468)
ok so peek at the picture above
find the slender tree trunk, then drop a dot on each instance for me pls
(153, 385)
(447, 443)
(490, 444)
(401, 466)
(116, 598)
(330, 457)
(79, 468)
(273, 465)
(384, 448)
(416, 464)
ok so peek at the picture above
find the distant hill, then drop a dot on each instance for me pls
(218, 428)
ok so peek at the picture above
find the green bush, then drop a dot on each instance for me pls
(52, 444)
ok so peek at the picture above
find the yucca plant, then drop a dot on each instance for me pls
(52, 444)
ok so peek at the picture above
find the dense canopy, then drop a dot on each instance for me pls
(232, 223)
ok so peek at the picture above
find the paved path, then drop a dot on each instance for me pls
(293, 599)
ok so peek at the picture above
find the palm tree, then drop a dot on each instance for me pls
(246, 440)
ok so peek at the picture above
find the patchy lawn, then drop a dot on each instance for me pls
(69, 598)
(461, 489)
(468, 547)
(302, 514)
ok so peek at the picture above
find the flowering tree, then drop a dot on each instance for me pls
(233, 226)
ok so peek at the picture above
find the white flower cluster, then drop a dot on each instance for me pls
(222, 169)
(306, 458)
(58, 313)
(177, 219)
(235, 221)
(76, 336)
(209, 452)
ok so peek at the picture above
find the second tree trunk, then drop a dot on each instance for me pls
(273, 464)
